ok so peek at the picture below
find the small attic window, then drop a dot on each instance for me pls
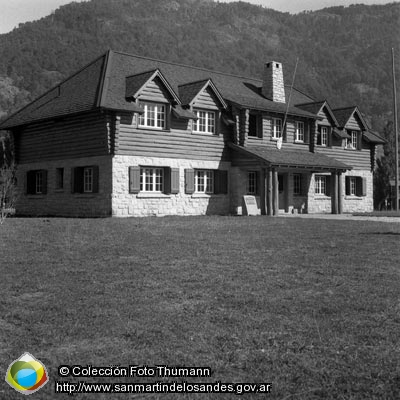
(277, 65)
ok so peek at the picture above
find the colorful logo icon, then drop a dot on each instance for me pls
(27, 374)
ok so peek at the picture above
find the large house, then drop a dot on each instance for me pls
(133, 136)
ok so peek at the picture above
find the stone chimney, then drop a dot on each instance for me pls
(273, 86)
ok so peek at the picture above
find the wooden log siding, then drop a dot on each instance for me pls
(155, 91)
(173, 144)
(74, 137)
(206, 100)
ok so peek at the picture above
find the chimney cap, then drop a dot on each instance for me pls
(277, 64)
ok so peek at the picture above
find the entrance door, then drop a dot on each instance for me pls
(283, 180)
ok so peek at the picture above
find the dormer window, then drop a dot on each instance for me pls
(353, 141)
(299, 132)
(276, 128)
(205, 122)
(154, 116)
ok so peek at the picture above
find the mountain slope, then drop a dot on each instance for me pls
(344, 53)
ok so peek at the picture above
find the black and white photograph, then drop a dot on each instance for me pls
(199, 199)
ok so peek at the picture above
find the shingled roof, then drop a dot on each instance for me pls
(102, 84)
(292, 158)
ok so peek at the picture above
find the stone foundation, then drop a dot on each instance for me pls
(125, 204)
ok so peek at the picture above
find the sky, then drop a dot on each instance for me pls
(14, 12)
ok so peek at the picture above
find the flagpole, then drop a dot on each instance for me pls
(396, 136)
(290, 95)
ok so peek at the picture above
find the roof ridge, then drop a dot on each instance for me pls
(186, 66)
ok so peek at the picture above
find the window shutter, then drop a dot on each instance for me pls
(95, 179)
(134, 179)
(167, 180)
(347, 186)
(30, 182)
(78, 180)
(359, 140)
(221, 182)
(174, 180)
(72, 180)
(44, 181)
(259, 126)
(361, 186)
(328, 185)
(189, 181)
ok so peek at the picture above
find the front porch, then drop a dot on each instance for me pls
(287, 181)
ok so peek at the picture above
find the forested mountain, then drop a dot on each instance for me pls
(344, 52)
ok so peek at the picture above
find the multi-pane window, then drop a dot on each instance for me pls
(252, 182)
(153, 116)
(297, 184)
(87, 180)
(39, 182)
(151, 179)
(353, 185)
(353, 140)
(276, 128)
(204, 181)
(320, 184)
(205, 122)
(324, 136)
(299, 136)
(59, 178)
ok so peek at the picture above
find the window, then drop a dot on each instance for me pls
(205, 122)
(153, 116)
(151, 179)
(276, 128)
(204, 181)
(36, 182)
(255, 125)
(85, 179)
(353, 141)
(88, 180)
(324, 136)
(252, 182)
(320, 184)
(156, 180)
(299, 135)
(59, 178)
(356, 186)
(297, 184)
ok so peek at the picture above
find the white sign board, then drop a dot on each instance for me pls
(250, 204)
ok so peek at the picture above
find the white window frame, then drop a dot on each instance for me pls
(206, 121)
(151, 179)
(87, 180)
(276, 128)
(39, 182)
(204, 181)
(353, 185)
(324, 136)
(300, 132)
(320, 184)
(297, 184)
(353, 143)
(154, 115)
(252, 182)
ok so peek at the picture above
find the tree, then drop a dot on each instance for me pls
(8, 192)
(385, 168)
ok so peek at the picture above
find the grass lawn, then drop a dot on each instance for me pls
(311, 306)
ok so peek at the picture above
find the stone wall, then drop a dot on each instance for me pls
(322, 204)
(62, 202)
(146, 204)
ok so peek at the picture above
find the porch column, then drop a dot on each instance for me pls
(334, 192)
(275, 191)
(340, 193)
(263, 192)
(269, 192)
(286, 183)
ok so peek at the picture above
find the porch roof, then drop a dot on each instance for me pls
(291, 158)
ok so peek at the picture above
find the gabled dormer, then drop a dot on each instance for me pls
(351, 125)
(327, 133)
(206, 102)
(151, 91)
